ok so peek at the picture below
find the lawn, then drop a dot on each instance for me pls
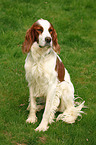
(75, 23)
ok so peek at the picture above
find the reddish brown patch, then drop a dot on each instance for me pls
(60, 69)
(31, 36)
(54, 39)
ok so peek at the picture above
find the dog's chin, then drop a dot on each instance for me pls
(47, 45)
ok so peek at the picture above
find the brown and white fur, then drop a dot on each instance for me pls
(47, 76)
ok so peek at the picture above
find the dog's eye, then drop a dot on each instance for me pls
(40, 30)
(50, 30)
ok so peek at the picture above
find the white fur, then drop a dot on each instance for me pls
(43, 81)
(46, 25)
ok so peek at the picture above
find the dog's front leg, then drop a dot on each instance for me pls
(32, 114)
(49, 101)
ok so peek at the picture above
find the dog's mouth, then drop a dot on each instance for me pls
(47, 45)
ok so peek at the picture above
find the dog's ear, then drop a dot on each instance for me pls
(29, 39)
(56, 46)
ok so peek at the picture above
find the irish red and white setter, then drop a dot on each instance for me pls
(47, 77)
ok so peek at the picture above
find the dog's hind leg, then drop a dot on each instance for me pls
(71, 112)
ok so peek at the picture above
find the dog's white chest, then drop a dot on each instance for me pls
(40, 74)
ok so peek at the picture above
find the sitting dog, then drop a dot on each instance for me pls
(47, 77)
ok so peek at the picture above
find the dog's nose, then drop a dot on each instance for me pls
(48, 39)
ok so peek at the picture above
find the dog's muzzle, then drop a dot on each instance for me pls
(47, 42)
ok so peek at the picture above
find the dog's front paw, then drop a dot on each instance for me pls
(41, 128)
(31, 120)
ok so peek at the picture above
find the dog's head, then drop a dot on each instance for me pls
(44, 34)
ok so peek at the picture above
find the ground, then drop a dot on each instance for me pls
(75, 24)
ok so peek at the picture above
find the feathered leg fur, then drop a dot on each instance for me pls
(65, 100)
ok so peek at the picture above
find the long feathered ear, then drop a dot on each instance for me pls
(56, 46)
(29, 39)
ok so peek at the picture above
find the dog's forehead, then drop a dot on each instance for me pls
(44, 23)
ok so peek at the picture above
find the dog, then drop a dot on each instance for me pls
(47, 77)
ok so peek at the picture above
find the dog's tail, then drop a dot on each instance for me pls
(71, 113)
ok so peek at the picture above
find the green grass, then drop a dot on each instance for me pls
(75, 23)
